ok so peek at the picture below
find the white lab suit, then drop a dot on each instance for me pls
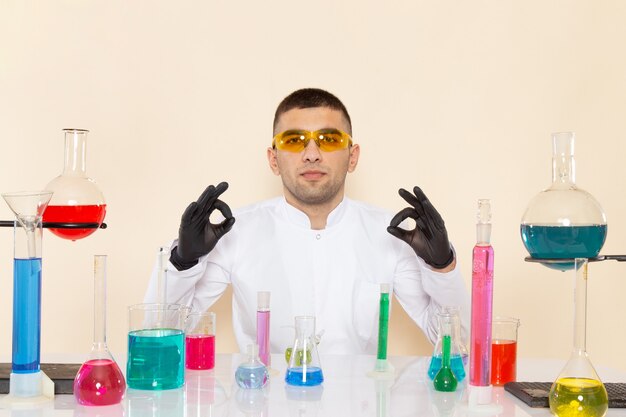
(333, 274)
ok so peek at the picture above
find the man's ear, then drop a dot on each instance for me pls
(273, 160)
(355, 151)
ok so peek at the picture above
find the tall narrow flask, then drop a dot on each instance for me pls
(77, 198)
(263, 326)
(482, 299)
(578, 390)
(26, 376)
(304, 368)
(563, 221)
(99, 380)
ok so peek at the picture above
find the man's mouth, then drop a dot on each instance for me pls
(312, 174)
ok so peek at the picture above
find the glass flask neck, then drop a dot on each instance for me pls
(483, 224)
(563, 165)
(75, 152)
(99, 302)
(580, 306)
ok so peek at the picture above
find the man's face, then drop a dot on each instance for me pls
(312, 176)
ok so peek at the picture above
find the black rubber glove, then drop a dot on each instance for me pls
(197, 236)
(429, 239)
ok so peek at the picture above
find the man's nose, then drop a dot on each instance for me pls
(312, 152)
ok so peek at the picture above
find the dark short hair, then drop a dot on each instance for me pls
(306, 98)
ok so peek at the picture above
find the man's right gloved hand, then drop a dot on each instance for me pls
(197, 236)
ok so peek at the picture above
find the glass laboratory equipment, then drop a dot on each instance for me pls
(504, 350)
(445, 380)
(304, 368)
(263, 326)
(156, 346)
(252, 373)
(383, 328)
(99, 380)
(482, 300)
(26, 378)
(77, 198)
(578, 390)
(449, 323)
(563, 221)
(200, 340)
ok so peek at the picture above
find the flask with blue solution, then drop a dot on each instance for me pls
(563, 221)
(449, 323)
(252, 374)
(304, 368)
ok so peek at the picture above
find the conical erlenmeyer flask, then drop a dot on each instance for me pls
(578, 390)
(563, 221)
(305, 368)
(99, 380)
(449, 324)
(77, 198)
(26, 376)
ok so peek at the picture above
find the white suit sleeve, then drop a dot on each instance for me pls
(422, 292)
(198, 287)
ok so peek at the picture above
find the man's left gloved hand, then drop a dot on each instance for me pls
(429, 238)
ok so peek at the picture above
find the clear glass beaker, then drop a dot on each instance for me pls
(200, 341)
(563, 221)
(77, 198)
(99, 380)
(504, 350)
(578, 390)
(156, 346)
(28, 208)
(449, 323)
(304, 368)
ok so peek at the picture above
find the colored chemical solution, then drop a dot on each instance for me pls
(503, 361)
(74, 214)
(200, 351)
(251, 376)
(26, 315)
(482, 296)
(299, 376)
(156, 359)
(563, 242)
(456, 364)
(263, 335)
(99, 382)
(578, 397)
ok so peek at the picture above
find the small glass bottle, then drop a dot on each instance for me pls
(76, 198)
(99, 380)
(304, 368)
(449, 323)
(252, 374)
(563, 221)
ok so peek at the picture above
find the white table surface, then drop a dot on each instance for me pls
(346, 391)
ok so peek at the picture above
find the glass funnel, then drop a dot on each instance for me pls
(26, 377)
(578, 390)
(563, 221)
(304, 363)
(77, 198)
(99, 380)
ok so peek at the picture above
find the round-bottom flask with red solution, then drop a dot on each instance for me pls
(76, 198)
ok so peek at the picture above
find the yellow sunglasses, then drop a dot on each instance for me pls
(328, 140)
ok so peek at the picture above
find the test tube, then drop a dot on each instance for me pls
(263, 326)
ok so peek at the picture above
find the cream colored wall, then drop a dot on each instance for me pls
(458, 97)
